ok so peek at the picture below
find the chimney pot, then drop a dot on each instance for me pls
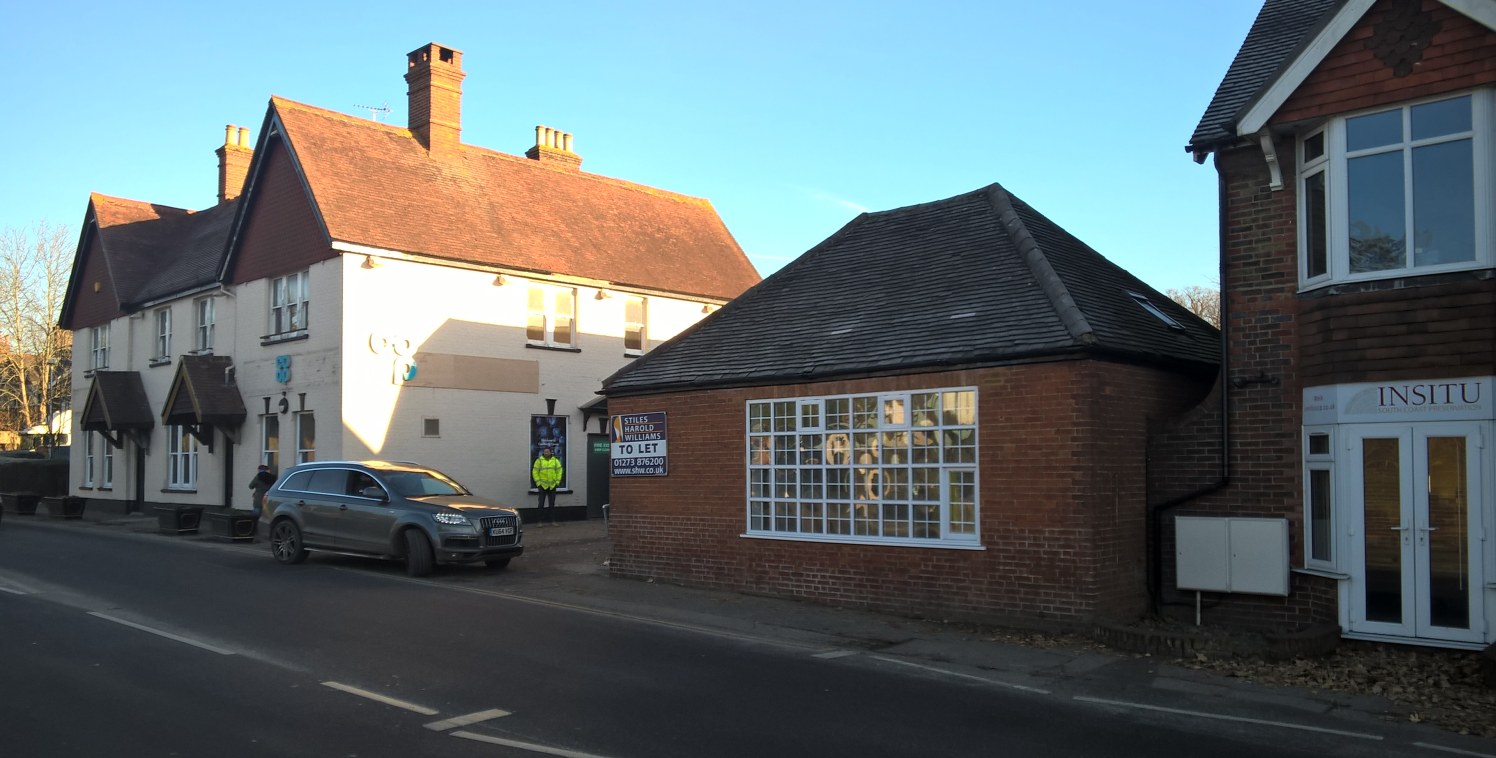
(434, 79)
(233, 162)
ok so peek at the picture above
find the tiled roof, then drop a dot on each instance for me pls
(204, 392)
(375, 185)
(1282, 28)
(116, 400)
(154, 251)
(977, 279)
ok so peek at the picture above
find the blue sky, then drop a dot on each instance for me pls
(790, 117)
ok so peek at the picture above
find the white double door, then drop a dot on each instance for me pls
(1415, 497)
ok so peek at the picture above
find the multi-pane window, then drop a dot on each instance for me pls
(106, 469)
(1396, 191)
(306, 438)
(634, 335)
(888, 467)
(203, 308)
(552, 316)
(88, 459)
(163, 333)
(288, 304)
(98, 347)
(1319, 511)
(181, 459)
(270, 441)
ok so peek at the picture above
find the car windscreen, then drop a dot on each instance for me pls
(422, 484)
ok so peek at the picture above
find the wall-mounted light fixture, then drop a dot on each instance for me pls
(603, 295)
(500, 280)
(371, 262)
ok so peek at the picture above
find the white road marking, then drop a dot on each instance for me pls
(160, 633)
(421, 709)
(471, 718)
(1220, 717)
(1455, 751)
(834, 654)
(981, 679)
(530, 746)
(13, 592)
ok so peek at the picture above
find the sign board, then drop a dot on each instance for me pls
(639, 444)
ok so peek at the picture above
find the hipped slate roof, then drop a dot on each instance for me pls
(1282, 29)
(977, 279)
(375, 185)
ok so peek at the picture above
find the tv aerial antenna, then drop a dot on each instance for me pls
(375, 110)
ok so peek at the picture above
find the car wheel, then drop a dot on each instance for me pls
(418, 557)
(497, 563)
(285, 542)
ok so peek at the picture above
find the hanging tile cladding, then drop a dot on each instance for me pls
(280, 233)
(1351, 77)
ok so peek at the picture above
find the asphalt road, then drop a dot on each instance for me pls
(143, 647)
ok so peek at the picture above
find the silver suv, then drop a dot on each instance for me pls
(396, 510)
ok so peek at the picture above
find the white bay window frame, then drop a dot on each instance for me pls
(181, 459)
(1324, 186)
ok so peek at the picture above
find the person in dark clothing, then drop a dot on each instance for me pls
(261, 484)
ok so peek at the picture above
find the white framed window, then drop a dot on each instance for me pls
(163, 334)
(1398, 191)
(890, 468)
(98, 347)
(306, 437)
(288, 304)
(270, 441)
(1319, 498)
(204, 309)
(552, 316)
(106, 468)
(88, 459)
(635, 336)
(181, 459)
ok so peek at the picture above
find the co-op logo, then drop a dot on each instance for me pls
(398, 348)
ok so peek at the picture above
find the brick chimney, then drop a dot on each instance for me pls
(233, 162)
(553, 146)
(434, 82)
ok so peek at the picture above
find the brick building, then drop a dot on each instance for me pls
(940, 409)
(1355, 142)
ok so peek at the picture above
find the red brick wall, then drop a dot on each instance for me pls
(281, 234)
(1351, 77)
(1061, 461)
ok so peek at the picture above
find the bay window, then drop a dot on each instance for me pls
(1397, 191)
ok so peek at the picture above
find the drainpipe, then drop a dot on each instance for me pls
(1156, 512)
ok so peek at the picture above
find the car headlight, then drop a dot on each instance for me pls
(453, 519)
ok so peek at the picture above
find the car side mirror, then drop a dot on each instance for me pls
(376, 493)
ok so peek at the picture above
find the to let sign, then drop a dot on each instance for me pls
(638, 441)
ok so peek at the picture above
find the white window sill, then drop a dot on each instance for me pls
(1326, 573)
(292, 336)
(154, 362)
(839, 539)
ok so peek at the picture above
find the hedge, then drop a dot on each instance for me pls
(45, 477)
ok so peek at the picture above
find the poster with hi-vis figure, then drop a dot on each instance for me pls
(549, 431)
(639, 444)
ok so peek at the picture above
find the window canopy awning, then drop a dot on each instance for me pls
(117, 403)
(204, 396)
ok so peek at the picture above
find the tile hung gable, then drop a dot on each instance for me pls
(374, 185)
(976, 279)
(280, 228)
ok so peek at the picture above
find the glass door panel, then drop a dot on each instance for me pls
(1382, 502)
(1444, 535)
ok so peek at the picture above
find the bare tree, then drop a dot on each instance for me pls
(1204, 302)
(36, 355)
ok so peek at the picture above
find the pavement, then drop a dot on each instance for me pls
(566, 565)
